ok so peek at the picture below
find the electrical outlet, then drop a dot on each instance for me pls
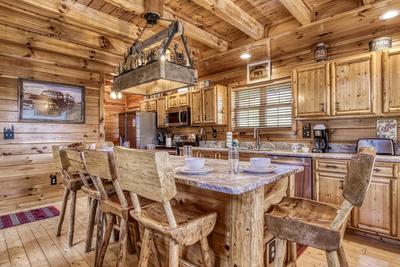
(53, 179)
(9, 133)
(307, 131)
(271, 252)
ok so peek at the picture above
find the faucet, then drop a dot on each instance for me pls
(257, 138)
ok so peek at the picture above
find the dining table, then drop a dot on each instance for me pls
(240, 201)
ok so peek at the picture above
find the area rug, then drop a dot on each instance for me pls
(23, 217)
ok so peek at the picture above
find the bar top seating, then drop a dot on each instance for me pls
(321, 225)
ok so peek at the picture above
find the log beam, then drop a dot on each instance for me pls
(228, 11)
(192, 31)
(298, 10)
(367, 2)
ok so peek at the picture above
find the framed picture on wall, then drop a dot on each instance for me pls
(259, 71)
(51, 102)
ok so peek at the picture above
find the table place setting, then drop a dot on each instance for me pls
(194, 166)
(259, 166)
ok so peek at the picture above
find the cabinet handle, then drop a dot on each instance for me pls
(337, 104)
(377, 170)
(322, 105)
(332, 166)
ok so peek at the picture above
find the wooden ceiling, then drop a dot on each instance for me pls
(218, 30)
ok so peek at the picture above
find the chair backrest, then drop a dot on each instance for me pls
(145, 173)
(99, 163)
(74, 158)
(99, 145)
(359, 176)
(60, 162)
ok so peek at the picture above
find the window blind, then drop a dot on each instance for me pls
(268, 106)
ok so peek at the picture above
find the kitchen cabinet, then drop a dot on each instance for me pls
(379, 212)
(178, 100)
(391, 81)
(209, 106)
(355, 85)
(311, 90)
(196, 107)
(161, 111)
(149, 105)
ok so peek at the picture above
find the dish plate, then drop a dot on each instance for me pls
(266, 170)
(184, 170)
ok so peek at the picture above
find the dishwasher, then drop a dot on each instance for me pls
(303, 180)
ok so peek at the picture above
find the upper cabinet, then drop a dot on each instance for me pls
(311, 89)
(391, 81)
(149, 105)
(354, 85)
(178, 100)
(161, 111)
(209, 106)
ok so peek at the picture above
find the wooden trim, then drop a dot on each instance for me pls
(256, 85)
(102, 108)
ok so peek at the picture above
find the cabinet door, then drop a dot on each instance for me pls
(151, 105)
(329, 187)
(379, 210)
(173, 101)
(196, 107)
(354, 85)
(391, 81)
(161, 111)
(143, 106)
(311, 90)
(183, 100)
(209, 106)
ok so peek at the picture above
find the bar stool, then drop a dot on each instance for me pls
(149, 174)
(317, 224)
(100, 166)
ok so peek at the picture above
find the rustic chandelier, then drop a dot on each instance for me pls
(150, 66)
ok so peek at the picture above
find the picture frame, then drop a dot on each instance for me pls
(47, 102)
(259, 71)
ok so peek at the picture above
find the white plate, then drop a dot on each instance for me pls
(185, 170)
(266, 170)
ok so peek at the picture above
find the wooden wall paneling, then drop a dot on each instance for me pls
(391, 81)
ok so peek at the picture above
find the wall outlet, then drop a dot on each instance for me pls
(9, 133)
(271, 252)
(307, 131)
(53, 179)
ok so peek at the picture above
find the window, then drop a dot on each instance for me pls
(268, 106)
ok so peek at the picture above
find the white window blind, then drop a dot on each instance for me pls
(268, 106)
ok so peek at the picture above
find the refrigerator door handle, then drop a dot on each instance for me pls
(180, 116)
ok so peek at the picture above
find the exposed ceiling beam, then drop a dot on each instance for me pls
(366, 2)
(234, 15)
(191, 30)
(298, 10)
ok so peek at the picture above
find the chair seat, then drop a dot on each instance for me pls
(93, 193)
(306, 222)
(74, 184)
(193, 224)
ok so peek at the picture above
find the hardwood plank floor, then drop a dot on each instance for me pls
(35, 245)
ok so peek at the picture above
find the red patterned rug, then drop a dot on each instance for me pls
(15, 219)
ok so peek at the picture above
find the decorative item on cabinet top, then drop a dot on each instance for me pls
(321, 52)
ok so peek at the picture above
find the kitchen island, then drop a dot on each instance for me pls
(240, 201)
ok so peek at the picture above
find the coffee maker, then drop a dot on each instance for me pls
(320, 139)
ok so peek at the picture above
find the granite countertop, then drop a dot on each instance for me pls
(221, 180)
(345, 156)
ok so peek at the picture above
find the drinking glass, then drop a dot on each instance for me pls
(187, 151)
(233, 160)
(151, 147)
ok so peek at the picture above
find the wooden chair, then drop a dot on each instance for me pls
(72, 183)
(100, 166)
(317, 224)
(148, 174)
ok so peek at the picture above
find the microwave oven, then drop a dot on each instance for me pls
(178, 116)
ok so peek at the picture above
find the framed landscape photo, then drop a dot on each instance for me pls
(259, 71)
(51, 102)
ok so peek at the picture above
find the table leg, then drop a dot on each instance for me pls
(247, 229)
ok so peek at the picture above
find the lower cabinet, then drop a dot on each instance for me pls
(379, 213)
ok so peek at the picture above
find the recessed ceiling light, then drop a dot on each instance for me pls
(389, 15)
(245, 56)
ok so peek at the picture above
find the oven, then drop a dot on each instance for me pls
(178, 116)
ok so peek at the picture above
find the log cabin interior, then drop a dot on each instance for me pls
(200, 133)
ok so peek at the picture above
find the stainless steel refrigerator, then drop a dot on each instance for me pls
(139, 128)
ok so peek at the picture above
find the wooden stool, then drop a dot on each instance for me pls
(149, 174)
(100, 166)
(321, 225)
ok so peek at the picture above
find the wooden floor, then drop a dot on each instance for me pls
(35, 245)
